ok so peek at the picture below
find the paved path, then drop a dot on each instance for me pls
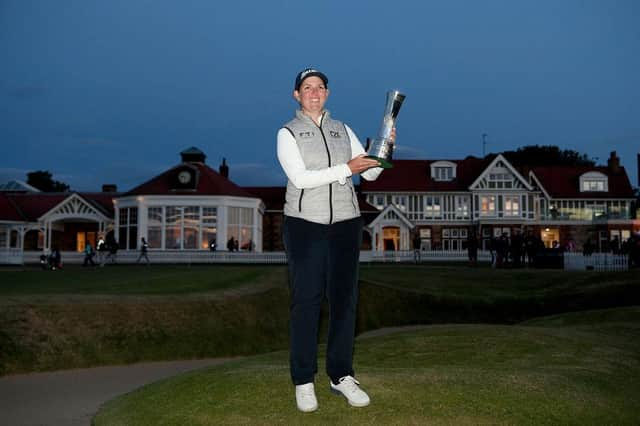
(72, 397)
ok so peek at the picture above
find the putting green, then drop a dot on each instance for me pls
(579, 368)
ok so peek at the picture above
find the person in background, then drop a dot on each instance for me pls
(88, 254)
(102, 248)
(55, 259)
(588, 248)
(472, 248)
(322, 231)
(144, 247)
(112, 246)
(417, 242)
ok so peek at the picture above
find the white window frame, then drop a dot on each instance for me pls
(512, 205)
(443, 171)
(494, 202)
(594, 182)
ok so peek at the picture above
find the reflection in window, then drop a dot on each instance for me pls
(209, 226)
(154, 227)
(240, 227)
(173, 228)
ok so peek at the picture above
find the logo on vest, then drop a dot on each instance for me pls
(335, 134)
(306, 135)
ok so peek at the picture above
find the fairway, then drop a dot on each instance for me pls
(137, 279)
(569, 369)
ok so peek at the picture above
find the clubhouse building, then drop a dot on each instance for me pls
(439, 203)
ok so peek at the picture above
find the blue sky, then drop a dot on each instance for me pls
(111, 91)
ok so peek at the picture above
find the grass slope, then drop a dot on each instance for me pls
(580, 368)
(83, 317)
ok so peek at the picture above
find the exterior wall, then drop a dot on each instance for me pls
(221, 203)
(574, 221)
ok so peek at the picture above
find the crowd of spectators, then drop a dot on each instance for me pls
(519, 250)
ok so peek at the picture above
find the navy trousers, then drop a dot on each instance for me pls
(323, 261)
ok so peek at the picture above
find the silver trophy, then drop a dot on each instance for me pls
(381, 148)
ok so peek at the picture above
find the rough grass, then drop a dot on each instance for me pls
(83, 317)
(580, 368)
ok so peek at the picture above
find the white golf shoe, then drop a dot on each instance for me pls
(306, 398)
(349, 388)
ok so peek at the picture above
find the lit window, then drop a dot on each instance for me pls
(462, 207)
(432, 207)
(488, 205)
(512, 205)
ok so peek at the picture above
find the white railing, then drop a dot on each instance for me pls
(276, 257)
(576, 261)
(572, 260)
(168, 256)
(11, 256)
(424, 256)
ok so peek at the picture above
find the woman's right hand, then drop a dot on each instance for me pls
(361, 163)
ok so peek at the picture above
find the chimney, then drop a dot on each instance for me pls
(109, 187)
(224, 169)
(614, 162)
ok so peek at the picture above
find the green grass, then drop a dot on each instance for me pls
(580, 368)
(480, 283)
(136, 280)
(83, 317)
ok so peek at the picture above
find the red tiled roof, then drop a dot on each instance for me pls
(32, 206)
(102, 200)
(210, 183)
(272, 196)
(564, 182)
(415, 176)
(8, 209)
(367, 211)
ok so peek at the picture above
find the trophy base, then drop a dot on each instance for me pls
(384, 163)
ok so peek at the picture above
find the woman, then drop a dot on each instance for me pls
(322, 232)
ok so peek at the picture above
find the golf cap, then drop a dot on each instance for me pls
(310, 72)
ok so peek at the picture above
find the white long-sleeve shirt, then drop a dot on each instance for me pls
(295, 169)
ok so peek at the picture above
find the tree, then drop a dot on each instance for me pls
(43, 180)
(536, 155)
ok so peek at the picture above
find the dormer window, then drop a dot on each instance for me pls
(594, 182)
(443, 171)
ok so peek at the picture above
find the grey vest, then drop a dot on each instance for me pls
(321, 147)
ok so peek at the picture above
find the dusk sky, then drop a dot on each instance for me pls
(111, 91)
